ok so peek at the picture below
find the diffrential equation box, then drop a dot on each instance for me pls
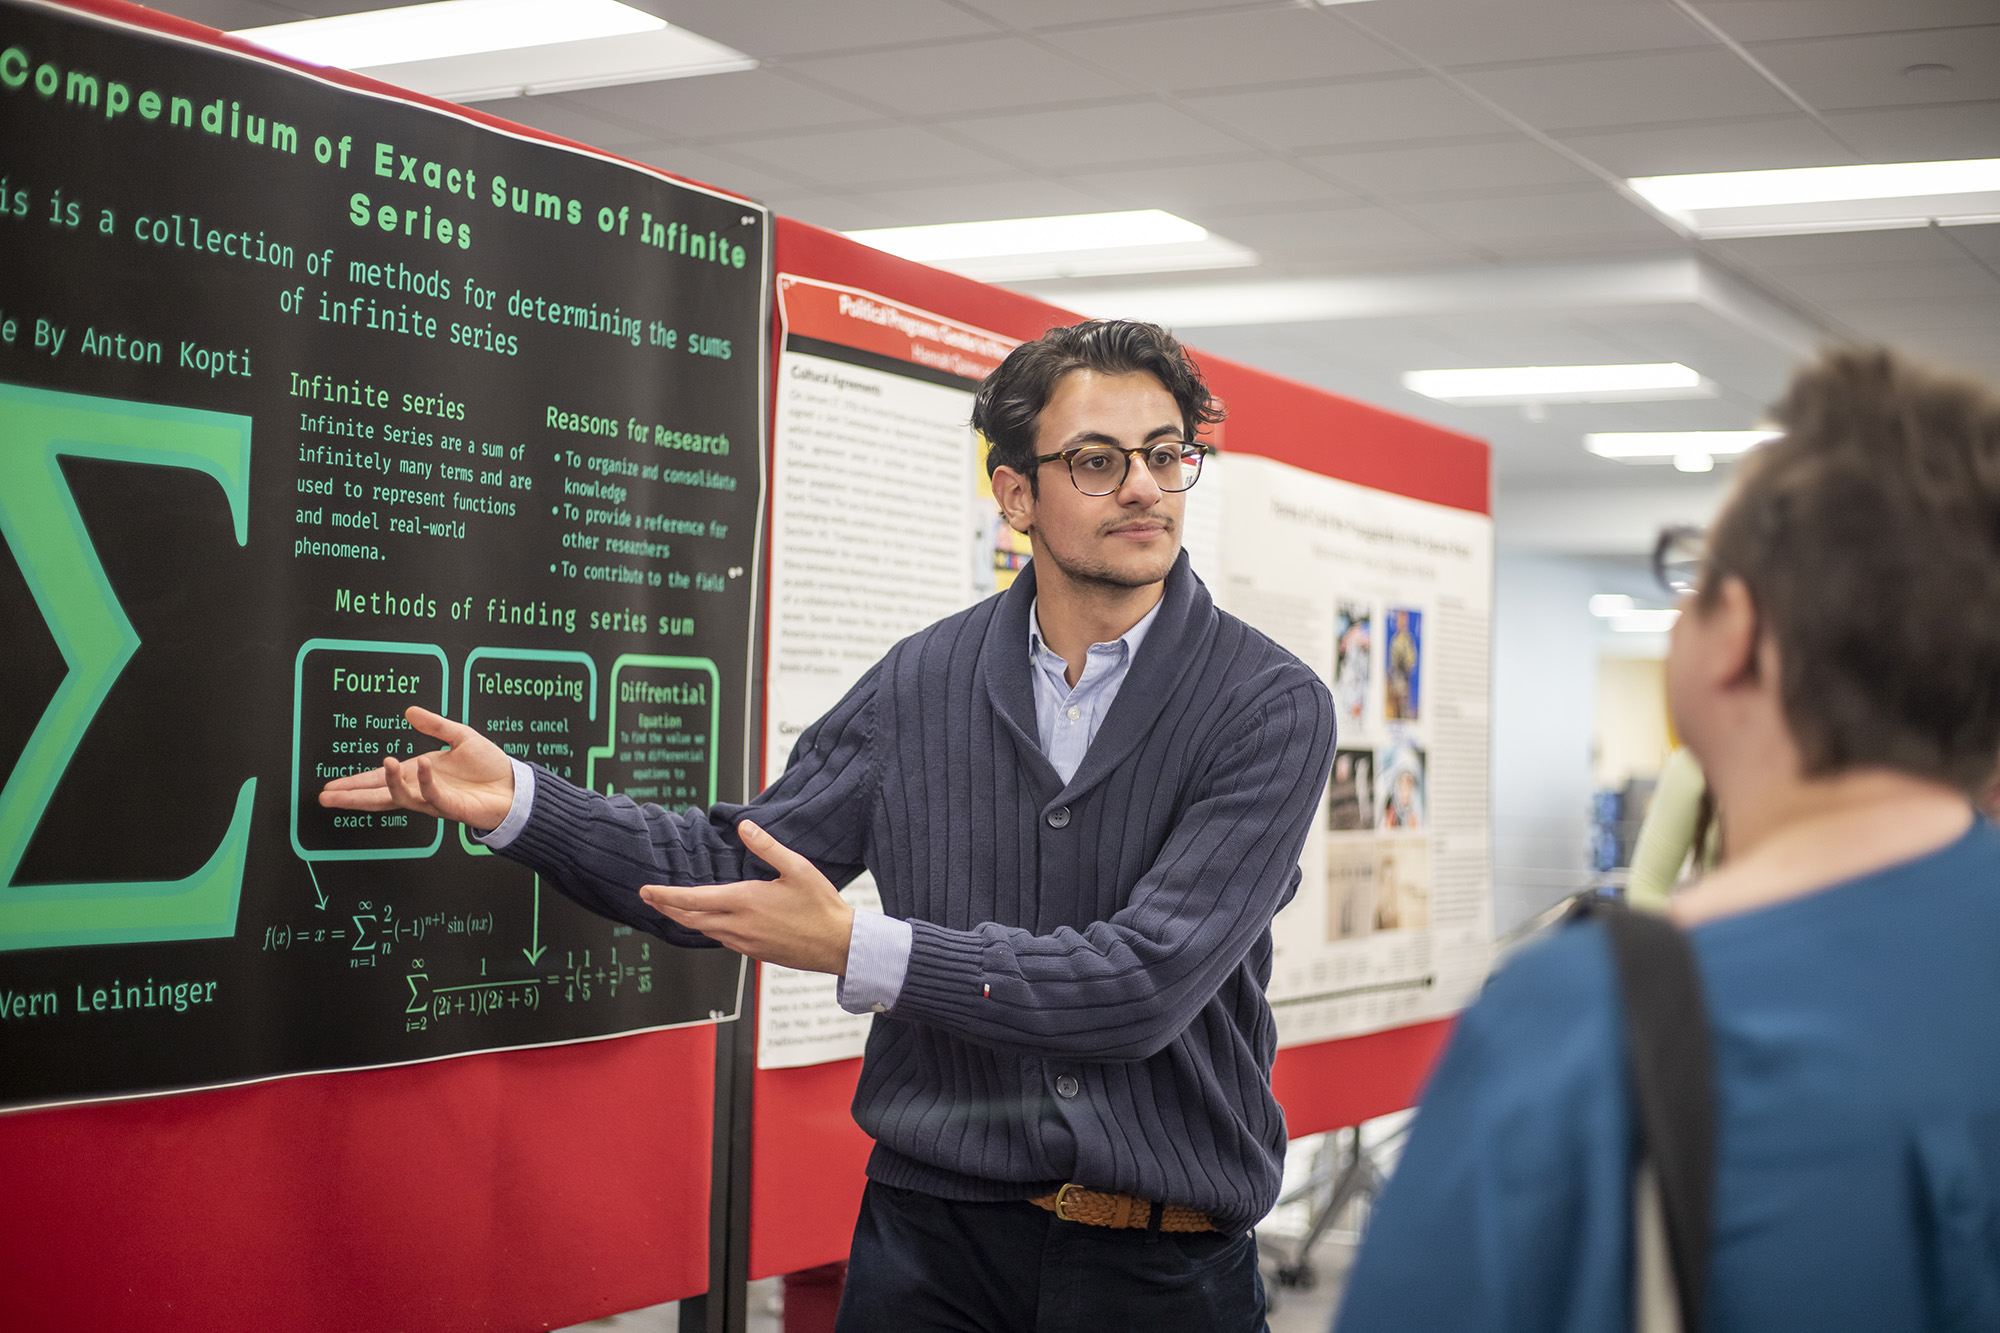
(663, 719)
(348, 697)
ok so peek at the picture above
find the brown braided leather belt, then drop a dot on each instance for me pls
(1074, 1203)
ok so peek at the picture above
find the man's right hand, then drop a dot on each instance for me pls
(472, 782)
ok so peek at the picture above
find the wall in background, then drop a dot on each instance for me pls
(1632, 734)
(1544, 681)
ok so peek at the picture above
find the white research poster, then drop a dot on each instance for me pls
(1390, 600)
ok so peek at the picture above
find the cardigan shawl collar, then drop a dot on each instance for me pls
(1187, 617)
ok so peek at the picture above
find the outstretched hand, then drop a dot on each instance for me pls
(796, 920)
(472, 782)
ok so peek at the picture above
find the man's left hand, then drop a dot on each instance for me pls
(797, 920)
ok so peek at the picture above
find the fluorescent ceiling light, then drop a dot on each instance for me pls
(1644, 622)
(1824, 199)
(476, 50)
(1079, 245)
(1688, 450)
(1628, 617)
(1561, 384)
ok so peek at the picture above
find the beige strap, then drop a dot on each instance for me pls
(1657, 1306)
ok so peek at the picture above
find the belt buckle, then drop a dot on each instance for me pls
(1062, 1201)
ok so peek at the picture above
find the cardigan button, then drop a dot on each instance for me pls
(1067, 1086)
(1059, 817)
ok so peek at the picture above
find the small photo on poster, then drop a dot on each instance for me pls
(1351, 792)
(1376, 885)
(1350, 889)
(1403, 664)
(1399, 787)
(1402, 884)
(1353, 661)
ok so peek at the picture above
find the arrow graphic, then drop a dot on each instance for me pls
(535, 953)
(316, 888)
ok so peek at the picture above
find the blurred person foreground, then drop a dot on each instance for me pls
(1833, 674)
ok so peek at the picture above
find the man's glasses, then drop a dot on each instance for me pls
(1100, 469)
(1677, 557)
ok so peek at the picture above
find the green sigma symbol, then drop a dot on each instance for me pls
(40, 522)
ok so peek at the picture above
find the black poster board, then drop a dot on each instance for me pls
(313, 403)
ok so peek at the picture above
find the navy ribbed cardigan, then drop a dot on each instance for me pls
(1085, 996)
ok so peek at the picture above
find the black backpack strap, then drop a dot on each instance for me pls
(1673, 1076)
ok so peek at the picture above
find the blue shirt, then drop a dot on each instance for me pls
(1857, 1056)
(878, 950)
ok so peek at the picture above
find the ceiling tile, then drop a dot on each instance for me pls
(558, 116)
(724, 172)
(1125, 133)
(1366, 111)
(1982, 241)
(1247, 48)
(834, 212)
(1922, 133)
(849, 160)
(1784, 254)
(1775, 20)
(1843, 73)
(1630, 90)
(1453, 32)
(1559, 216)
(230, 14)
(1401, 172)
(956, 77)
(1887, 318)
(1725, 145)
(1068, 13)
(720, 105)
(1022, 197)
(1363, 232)
(1210, 192)
(794, 27)
(1879, 282)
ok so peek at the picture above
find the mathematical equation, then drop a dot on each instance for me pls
(579, 980)
(374, 932)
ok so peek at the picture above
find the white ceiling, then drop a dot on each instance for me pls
(1448, 152)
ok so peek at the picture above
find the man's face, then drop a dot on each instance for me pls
(1130, 537)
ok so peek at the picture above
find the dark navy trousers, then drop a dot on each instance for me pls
(922, 1264)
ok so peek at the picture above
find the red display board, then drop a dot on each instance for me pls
(807, 1155)
(526, 1189)
(531, 1188)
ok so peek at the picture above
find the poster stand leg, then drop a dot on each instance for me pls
(724, 1307)
(1344, 1171)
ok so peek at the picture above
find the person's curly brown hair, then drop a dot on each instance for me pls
(1868, 535)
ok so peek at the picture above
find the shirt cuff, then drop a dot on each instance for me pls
(878, 957)
(517, 816)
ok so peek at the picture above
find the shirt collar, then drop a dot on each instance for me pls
(1131, 638)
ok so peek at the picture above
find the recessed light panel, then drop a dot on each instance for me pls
(477, 50)
(1799, 200)
(1077, 245)
(1671, 446)
(1649, 382)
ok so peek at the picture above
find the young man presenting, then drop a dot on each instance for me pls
(1082, 799)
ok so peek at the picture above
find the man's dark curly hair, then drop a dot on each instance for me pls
(1009, 405)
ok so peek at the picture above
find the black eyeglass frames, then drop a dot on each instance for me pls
(1677, 558)
(1100, 469)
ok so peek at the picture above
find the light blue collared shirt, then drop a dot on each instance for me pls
(1066, 721)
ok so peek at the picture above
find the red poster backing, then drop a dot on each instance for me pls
(806, 1153)
(517, 1189)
